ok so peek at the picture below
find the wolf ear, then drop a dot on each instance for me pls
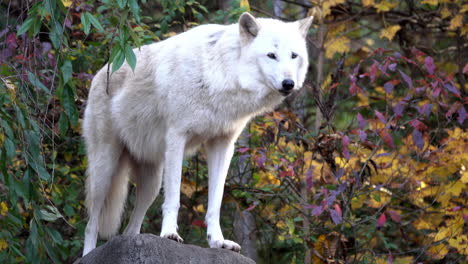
(304, 25)
(248, 26)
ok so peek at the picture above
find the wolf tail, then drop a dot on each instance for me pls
(107, 205)
(110, 216)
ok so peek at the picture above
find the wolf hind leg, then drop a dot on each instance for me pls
(148, 184)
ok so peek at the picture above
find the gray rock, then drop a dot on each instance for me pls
(148, 248)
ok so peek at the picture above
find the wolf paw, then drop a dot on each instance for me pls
(227, 244)
(173, 236)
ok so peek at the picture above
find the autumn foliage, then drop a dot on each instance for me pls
(367, 164)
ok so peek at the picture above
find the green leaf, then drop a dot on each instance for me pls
(56, 34)
(135, 9)
(55, 235)
(9, 147)
(63, 124)
(94, 22)
(68, 102)
(85, 22)
(67, 70)
(26, 25)
(121, 3)
(36, 82)
(130, 57)
(7, 128)
(118, 60)
(50, 213)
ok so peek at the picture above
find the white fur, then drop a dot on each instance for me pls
(198, 88)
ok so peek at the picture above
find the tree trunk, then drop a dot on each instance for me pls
(244, 221)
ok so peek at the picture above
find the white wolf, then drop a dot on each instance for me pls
(198, 88)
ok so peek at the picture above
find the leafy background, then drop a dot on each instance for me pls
(367, 164)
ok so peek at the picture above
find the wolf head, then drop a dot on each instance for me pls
(273, 53)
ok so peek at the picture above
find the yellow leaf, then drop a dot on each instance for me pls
(430, 2)
(389, 32)
(464, 8)
(445, 12)
(245, 4)
(363, 100)
(385, 6)
(404, 260)
(199, 208)
(464, 177)
(455, 188)
(464, 31)
(267, 178)
(327, 5)
(378, 200)
(3, 208)
(443, 233)
(67, 3)
(368, 2)
(456, 22)
(3, 244)
(460, 243)
(188, 188)
(338, 45)
(438, 251)
(327, 82)
(421, 224)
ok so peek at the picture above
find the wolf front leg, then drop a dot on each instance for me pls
(219, 152)
(174, 155)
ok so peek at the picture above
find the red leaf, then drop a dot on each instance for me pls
(338, 209)
(418, 139)
(11, 40)
(418, 125)
(388, 86)
(309, 177)
(436, 92)
(353, 88)
(452, 89)
(252, 206)
(345, 143)
(380, 116)
(336, 217)
(362, 136)
(373, 71)
(242, 149)
(461, 115)
(387, 138)
(454, 108)
(317, 211)
(465, 69)
(381, 221)
(199, 223)
(429, 63)
(407, 79)
(425, 109)
(396, 217)
(261, 161)
(398, 109)
(362, 122)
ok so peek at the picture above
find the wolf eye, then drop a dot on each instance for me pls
(294, 55)
(271, 55)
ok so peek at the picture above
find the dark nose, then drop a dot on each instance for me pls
(288, 84)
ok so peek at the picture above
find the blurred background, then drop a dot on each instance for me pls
(366, 164)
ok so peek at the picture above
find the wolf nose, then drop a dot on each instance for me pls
(288, 84)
